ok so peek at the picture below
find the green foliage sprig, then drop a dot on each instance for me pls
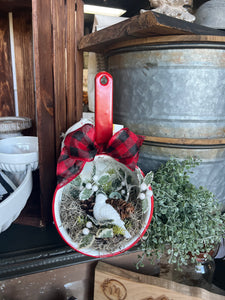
(186, 219)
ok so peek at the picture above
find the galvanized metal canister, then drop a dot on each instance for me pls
(209, 174)
(174, 91)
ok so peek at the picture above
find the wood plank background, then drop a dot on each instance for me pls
(49, 70)
(7, 107)
(70, 62)
(79, 32)
(59, 69)
(43, 59)
(58, 78)
(14, 5)
(23, 44)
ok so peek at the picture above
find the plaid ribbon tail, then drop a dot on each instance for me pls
(79, 148)
(68, 169)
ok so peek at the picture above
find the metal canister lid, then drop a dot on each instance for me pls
(211, 14)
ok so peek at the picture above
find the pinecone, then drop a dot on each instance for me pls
(122, 207)
(88, 205)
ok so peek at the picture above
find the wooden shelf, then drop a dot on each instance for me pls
(148, 24)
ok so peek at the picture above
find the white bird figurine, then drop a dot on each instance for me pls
(103, 211)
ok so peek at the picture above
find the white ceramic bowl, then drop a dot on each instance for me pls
(11, 207)
(12, 126)
(18, 152)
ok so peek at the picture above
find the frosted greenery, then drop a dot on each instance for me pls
(186, 219)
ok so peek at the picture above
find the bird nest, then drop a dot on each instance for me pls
(126, 192)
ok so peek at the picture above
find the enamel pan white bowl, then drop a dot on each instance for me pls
(11, 207)
(101, 162)
(18, 152)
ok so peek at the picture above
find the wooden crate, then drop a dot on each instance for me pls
(49, 83)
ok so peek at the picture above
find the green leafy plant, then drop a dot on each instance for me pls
(186, 220)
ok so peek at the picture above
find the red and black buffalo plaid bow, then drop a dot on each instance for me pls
(80, 147)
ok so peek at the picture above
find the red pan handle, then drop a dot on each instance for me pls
(103, 107)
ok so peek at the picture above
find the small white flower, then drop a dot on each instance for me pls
(142, 196)
(95, 178)
(149, 193)
(89, 224)
(143, 186)
(85, 231)
(123, 183)
(89, 186)
(123, 192)
(95, 188)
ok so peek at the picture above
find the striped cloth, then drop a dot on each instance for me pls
(6, 186)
